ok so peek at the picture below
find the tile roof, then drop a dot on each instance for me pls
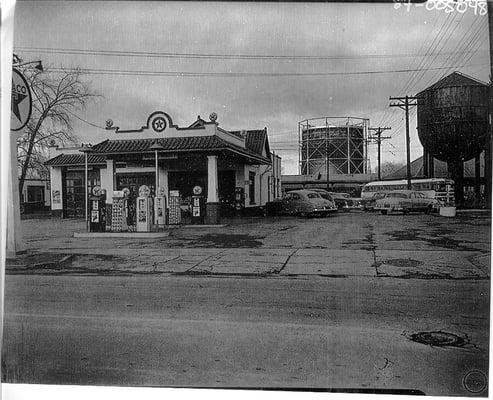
(255, 140)
(177, 144)
(75, 159)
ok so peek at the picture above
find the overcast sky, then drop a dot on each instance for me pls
(347, 38)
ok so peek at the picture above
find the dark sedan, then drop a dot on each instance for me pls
(302, 202)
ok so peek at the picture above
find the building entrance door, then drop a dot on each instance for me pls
(227, 183)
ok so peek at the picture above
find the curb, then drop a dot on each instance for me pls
(134, 235)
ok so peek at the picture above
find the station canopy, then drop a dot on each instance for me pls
(97, 154)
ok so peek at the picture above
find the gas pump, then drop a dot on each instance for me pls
(174, 208)
(144, 209)
(239, 200)
(97, 208)
(119, 212)
(198, 206)
(160, 207)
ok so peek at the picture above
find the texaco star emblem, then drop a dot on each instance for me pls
(159, 124)
(16, 99)
(21, 101)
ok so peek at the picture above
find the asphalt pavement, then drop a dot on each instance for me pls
(321, 303)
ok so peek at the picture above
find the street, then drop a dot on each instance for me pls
(327, 303)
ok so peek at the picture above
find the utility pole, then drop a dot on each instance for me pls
(327, 158)
(378, 138)
(404, 103)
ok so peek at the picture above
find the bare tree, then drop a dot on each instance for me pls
(57, 96)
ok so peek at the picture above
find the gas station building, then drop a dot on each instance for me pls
(201, 172)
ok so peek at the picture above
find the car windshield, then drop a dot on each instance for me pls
(398, 195)
(313, 195)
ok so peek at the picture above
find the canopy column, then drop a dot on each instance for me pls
(212, 205)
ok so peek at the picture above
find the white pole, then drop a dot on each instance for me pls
(9, 207)
(86, 186)
(157, 175)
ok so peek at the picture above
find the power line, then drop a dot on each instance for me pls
(443, 38)
(470, 43)
(421, 63)
(83, 120)
(148, 54)
(235, 74)
(469, 40)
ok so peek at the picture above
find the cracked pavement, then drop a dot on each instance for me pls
(347, 244)
(326, 303)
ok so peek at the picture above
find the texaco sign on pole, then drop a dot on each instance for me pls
(21, 102)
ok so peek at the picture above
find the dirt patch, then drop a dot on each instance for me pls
(226, 240)
(434, 238)
(286, 228)
(368, 241)
(56, 264)
(403, 262)
(408, 234)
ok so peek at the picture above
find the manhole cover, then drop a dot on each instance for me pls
(475, 381)
(438, 338)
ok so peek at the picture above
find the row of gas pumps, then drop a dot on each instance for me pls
(144, 213)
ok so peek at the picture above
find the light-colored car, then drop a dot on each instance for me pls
(405, 201)
(304, 203)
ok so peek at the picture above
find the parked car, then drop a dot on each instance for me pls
(342, 200)
(354, 203)
(405, 201)
(368, 204)
(302, 202)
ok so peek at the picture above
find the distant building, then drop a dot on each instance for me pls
(35, 196)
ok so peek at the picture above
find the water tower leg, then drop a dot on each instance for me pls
(477, 176)
(456, 170)
(426, 169)
(431, 166)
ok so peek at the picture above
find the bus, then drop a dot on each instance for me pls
(441, 189)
